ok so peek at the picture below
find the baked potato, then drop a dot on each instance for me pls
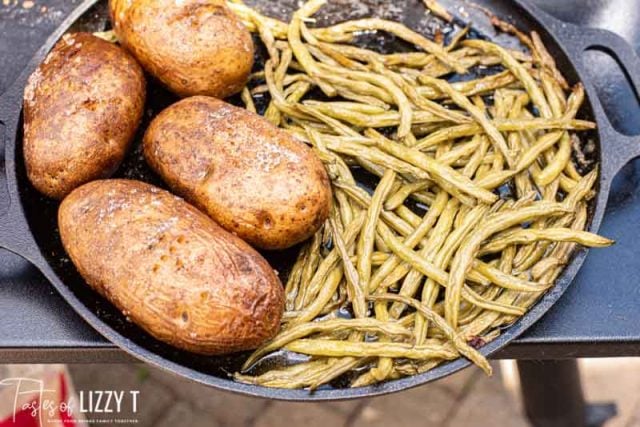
(194, 47)
(82, 106)
(170, 269)
(254, 179)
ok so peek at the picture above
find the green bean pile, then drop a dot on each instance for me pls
(382, 291)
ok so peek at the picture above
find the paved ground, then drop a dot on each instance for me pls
(465, 399)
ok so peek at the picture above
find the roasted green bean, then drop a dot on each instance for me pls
(456, 201)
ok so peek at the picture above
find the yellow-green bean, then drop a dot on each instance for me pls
(459, 343)
(537, 97)
(503, 125)
(442, 174)
(333, 348)
(461, 100)
(463, 259)
(525, 236)
(306, 329)
(356, 288)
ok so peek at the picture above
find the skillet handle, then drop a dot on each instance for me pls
(617, 149)
(15, 234)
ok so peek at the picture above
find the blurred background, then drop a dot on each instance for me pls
(467, 398)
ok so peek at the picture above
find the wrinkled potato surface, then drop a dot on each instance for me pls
(82, 106)
(252, 178)
(194, 47)
(170, 269)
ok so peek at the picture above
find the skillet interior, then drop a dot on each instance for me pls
(41, 212)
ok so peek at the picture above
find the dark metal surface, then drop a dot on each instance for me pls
(577, 41)
(551, 393)
(552, 396)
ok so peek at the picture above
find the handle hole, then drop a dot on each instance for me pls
(625, 185)
(614, 89)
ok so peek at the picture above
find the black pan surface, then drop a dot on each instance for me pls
(29, 228)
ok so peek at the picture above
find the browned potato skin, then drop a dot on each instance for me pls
(254, 179)
(195, 47)
(81, 110)
(169, 268)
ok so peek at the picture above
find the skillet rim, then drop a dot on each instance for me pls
(29, 249)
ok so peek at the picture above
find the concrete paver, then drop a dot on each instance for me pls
(460, 381)
(487, 403)
(614, 380)
(428, 405)
(182, 414)
(229, 409)
(634, 417)
(467, 398)
(347, 406)
(281, 414)
(152, 401)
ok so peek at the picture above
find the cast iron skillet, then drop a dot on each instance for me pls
(28, 220)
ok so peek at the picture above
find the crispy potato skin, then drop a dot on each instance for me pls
(82, 106)
(169, 268)
(195, 47)
(254, 179)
